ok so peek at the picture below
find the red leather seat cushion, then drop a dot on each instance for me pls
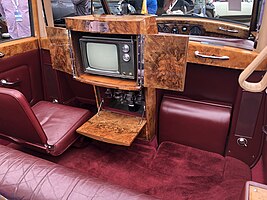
(59, 123)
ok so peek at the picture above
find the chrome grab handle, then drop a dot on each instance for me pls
(4, 82)
(2, 55)
(227, 30)
(211, 57)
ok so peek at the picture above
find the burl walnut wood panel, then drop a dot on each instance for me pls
(151, 106)
(210, 26)
(111, 24)
(165, 61)
(44, 43)
(112, 128)
(59, 49)
(238, 58)
(14, 47)
(110, 82)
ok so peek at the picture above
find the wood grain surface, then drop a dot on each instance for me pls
(257, 193)
(110, 82)
(210, 26)
(14, 47)
(111, 24)
(112, 128)
(165, 61)
(151, 106)
(44, 43)
(59, 49)
(238, 58)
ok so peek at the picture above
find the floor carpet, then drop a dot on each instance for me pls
(171, 172)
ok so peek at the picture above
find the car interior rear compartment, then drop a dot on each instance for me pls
(120, 103)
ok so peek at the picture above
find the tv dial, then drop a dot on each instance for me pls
(125, 48)
(126, 57)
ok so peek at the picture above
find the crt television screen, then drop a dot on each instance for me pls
(102, 56)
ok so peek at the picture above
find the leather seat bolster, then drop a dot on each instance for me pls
(26, 177)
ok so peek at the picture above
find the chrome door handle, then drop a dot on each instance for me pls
(211, 57)
(227, 30)
(4, 82)
(2, 55)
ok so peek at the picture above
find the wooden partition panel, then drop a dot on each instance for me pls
(59, 49)
(15, 47)
(113, 24)
(165, 61)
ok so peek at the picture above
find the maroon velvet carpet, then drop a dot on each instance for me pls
(172, 172)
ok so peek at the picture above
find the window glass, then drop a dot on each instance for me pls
(233, 10)
(70, 8)
(220, 9)
(15, 20)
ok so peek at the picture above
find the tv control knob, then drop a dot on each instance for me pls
(124, 73)
(184, 28)
(130, 73)
(126, 57)
(125, 48)
(175, 30)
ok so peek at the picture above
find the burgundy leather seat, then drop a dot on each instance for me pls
(26, 177)
(46, 126)
(198, 124)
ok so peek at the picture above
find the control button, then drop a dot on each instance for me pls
(175, 30)
(126, 57)
(195, 30)
(125, 48)
(130, 73)
(166, 29)
(124, 73)
(184, 28)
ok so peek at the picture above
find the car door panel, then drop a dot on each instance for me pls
(25, 69)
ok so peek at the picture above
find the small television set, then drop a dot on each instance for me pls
(109, 56)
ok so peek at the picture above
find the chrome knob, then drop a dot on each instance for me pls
(125, 48)
(126, 57)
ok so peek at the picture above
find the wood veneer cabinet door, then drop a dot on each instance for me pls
(59, 49)
(114, 128)
(165, 61)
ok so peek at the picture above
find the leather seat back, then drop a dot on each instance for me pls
(198, 124)
(17, 120)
